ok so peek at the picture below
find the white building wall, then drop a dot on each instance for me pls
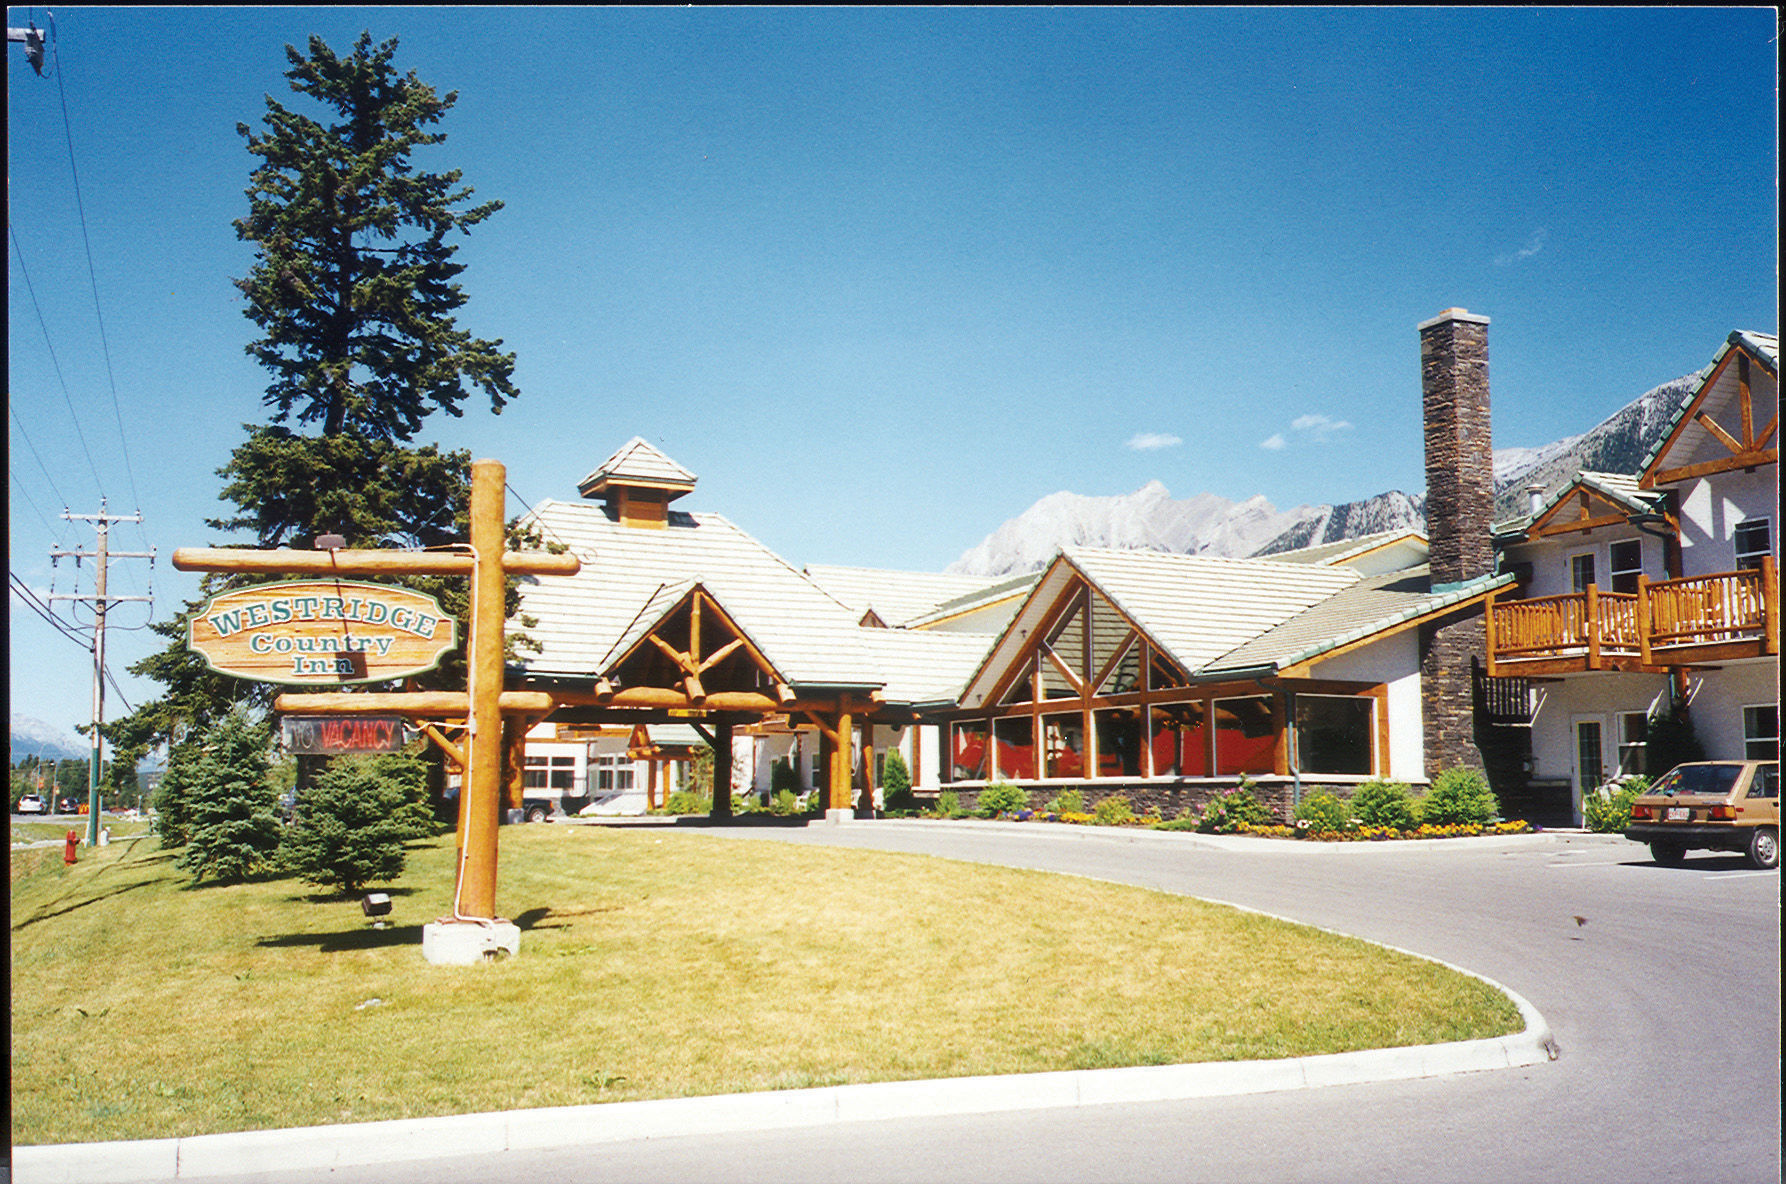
(1711, 507)
(1718, 699)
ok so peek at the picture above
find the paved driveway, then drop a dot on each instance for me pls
(1661, 986)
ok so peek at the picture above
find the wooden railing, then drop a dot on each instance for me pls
(1711, 610)
(1733, 610)
(1590, 625)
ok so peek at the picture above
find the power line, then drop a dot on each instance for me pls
(38, 457)
(55, 363)
(93, 281)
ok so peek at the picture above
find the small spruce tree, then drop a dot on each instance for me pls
(353, 820)
(230, 802)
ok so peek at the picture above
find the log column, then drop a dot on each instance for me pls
(476, 895)
(722, 768)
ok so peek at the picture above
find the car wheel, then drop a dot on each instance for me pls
(1668, 854)
(536, 813)
(1764, 847)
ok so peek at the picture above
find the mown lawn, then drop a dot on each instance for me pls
(654, 963)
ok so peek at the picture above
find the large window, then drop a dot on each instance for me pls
(968, 762)
(1634, 731)
(556, 773)
(1627, 565)
(1753, 540)
(1335, 734)
(1761, 732)
(1245, 736)
(1581, 571)
(1180, 741)
(1119, 742)
(1014, 748)
(1063, 739)
(613, 774)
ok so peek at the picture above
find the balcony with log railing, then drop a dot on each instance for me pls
(1718, 617)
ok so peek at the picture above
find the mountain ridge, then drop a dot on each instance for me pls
(1209, 524)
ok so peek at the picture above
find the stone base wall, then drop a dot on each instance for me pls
(1448, 691)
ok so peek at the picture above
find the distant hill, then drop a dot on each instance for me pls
(34, 737)
(1207, 524)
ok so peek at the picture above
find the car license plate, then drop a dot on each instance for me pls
(1679, 813)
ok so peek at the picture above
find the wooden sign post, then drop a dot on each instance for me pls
(473, 931)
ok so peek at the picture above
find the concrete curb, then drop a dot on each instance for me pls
(322, 1148)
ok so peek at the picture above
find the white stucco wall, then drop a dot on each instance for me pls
(1712, 506)
(1718, 699)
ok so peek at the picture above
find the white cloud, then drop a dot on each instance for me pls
(1274, 443)
(1152, 441)
(1533, 245)
(1321, 426)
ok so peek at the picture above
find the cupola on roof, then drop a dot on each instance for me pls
(637, 465)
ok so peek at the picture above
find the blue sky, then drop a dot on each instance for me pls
(883, 278)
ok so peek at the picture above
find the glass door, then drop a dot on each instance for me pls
(1590, 761)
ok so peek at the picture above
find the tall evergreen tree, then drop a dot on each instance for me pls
(354, 288)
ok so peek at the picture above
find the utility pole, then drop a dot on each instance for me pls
(102, 526)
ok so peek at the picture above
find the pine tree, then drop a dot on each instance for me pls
(353, 820)
(354, 288)
(230, 804)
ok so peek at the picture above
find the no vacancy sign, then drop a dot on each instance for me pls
(322, 632)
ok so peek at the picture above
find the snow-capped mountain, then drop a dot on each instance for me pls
(1207, 524)
(34, 737)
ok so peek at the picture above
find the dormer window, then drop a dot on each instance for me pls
(1754, 541)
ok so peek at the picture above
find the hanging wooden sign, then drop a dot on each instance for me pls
(325, 632)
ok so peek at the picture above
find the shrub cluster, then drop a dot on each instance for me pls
(1459, 797)
(1323, 813)
(1002, 798)
(1384, 804)
(1238, 807)
(1113, 811)
(1607, 810)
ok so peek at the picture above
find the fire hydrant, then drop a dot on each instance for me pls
(69, 845)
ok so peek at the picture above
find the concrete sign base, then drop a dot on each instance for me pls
(467, 943)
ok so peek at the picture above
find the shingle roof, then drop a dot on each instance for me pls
(1371, 606)
(632, 577)
(637, 461)
(895, 596)
(1344, 549)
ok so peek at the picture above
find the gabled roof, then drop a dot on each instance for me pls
(1228, 618)
(1008, 591)
(637, 463)
(1374, 606)
(895, 596)
(1621, 490)
(1684, 440)
(632, 579)
(1354, 551)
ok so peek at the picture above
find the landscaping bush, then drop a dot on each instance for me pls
(1324, 813)
(1239, 805)
(1002, 798)
(231, 804)
(1459, 797)
(688, 801)
(781, 776)
(948, 804)
(895, 777)
(1070, 801)
(353, 820)
(1113, 811)
(784, 804)
(1607, 810)
(1385, 804)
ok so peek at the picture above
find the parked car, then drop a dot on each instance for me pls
(31, 804)
(1711, 805)
(67, 806)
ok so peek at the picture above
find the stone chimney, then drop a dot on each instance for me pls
(1460, 482)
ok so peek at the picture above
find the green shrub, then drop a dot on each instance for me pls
(1113, 811)
(1459, 797)
(1001, 797)
(948, 804)
(1385, 804)
(781, 776)
(1324, 813)
(1607, 810)
(353, 820)
(1186, 820)
(1240, 804)
(688, 801)
(230, 801)
(1070, 801)
(895, 777)
(784, 804)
